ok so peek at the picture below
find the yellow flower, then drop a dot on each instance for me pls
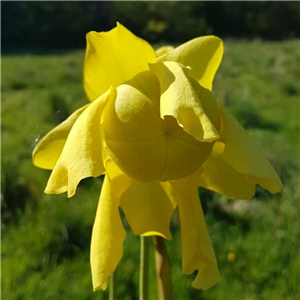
(157, 132)
(231, 256)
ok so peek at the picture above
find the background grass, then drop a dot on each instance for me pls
(46, 239)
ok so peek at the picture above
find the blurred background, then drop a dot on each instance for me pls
(46, 239)
(46, 26)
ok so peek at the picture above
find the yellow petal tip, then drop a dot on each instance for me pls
(152, 233)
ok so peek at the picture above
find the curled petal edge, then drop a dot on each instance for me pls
(81, 156)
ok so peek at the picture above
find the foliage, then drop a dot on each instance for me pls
(51, 25)
(46, 239)
(40, 26)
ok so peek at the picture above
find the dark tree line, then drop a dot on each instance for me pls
(52, 25)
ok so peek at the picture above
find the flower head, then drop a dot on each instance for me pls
(157, 131)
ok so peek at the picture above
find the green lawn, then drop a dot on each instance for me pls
(46, 239)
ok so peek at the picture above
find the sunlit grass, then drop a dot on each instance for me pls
(46, 239)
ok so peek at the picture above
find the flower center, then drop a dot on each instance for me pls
(144, 146)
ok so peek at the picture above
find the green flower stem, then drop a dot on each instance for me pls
(112, 286)
(163, 270)
(144, 268)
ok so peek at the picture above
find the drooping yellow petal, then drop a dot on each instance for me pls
(148, 208)
(184, 99)
(222, 178)
(143, 145)
(242, 154)
(202, 55)
(108, 232)
(112, 58)
(82, 154)
(49, 148)
(197, 250)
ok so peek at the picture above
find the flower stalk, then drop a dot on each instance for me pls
(112, 286)
(144, 268)
(163, 270)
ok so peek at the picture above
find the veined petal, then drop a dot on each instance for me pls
(82, 154)
(186, 101)
(222, 178)
(202, 55)
(242, 154)
(140, 143)
(49, 148)
(197, 250)
(108, 232)
(148, 208)
(112, 58)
